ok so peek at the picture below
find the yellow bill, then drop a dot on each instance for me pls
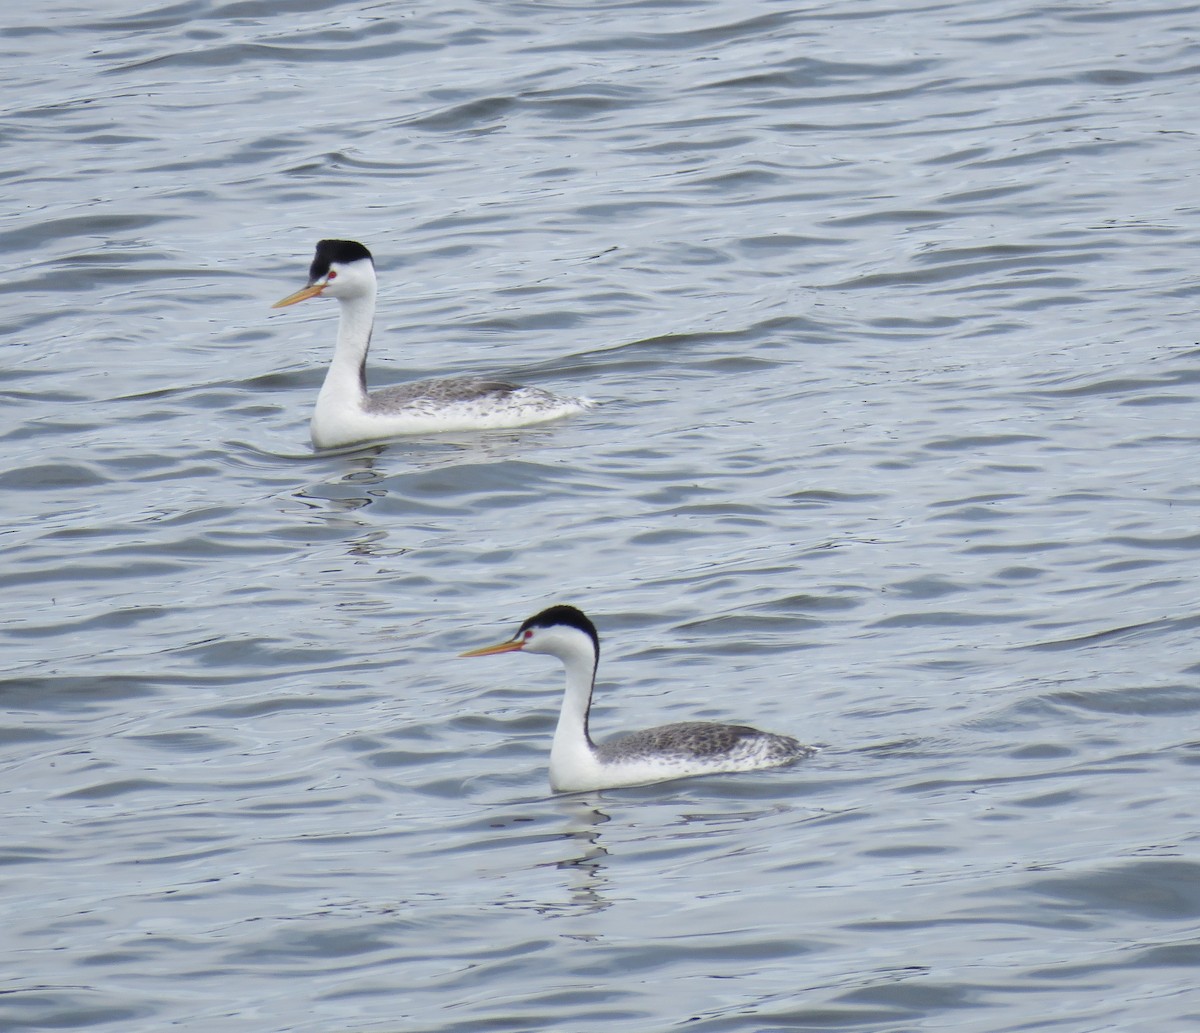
(508, 646)
(303, 294)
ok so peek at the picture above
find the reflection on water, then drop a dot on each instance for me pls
(585, 868)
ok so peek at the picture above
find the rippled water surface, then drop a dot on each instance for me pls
(890, 310)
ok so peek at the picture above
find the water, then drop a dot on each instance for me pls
(890, 310)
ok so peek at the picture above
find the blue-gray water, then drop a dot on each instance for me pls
(891, 310)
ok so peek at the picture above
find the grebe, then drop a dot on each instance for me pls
(653, 755)
(346, 414)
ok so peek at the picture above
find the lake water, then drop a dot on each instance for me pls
(891, 313)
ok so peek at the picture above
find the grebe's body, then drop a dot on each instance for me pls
(346, 413)
(654, 755)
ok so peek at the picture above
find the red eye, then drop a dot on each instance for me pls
(331, 275)
(529, 634)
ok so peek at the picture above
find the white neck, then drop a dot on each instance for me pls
(572, 744)
(345, 384)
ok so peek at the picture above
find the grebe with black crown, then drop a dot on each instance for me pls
(654, 755)
(347, 414)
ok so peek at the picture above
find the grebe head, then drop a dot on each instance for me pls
(561, 631)
(341, 269)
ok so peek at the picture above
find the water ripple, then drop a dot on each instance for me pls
(889, 314)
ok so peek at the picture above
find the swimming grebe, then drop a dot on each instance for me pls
(654, 755)
(346, 414)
